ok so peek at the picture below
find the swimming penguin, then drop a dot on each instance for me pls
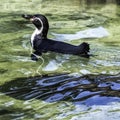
(41, 44)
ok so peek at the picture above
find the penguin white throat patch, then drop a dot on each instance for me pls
(36, 32)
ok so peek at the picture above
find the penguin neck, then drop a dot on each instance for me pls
(43, 30)
(35, 33)
(39, 32)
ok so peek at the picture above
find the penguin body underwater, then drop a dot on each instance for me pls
(41, 44)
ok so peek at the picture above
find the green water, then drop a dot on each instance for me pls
(65, 17)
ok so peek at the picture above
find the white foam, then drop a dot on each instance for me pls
(10, 103)
(83, 71)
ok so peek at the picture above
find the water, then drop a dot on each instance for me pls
(84, 89)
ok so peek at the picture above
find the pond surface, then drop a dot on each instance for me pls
(71, 87)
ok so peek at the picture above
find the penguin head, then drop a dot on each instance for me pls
(40, 22)
(37, 22)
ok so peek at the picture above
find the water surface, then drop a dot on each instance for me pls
(89, 89)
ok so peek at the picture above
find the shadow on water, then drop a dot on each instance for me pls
(88, 89)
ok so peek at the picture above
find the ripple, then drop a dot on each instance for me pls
(55, 97)
(18, 58)
(98, 32)
(88, 89)
(107, 63)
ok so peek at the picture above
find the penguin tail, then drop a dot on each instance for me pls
(84, 49)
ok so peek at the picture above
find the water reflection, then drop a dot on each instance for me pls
(88, 2)
(89, 89)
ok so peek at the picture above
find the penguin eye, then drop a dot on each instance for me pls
(36, 20)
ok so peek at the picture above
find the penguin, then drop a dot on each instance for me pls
(41, 43)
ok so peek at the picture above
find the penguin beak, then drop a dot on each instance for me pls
(28, 17)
